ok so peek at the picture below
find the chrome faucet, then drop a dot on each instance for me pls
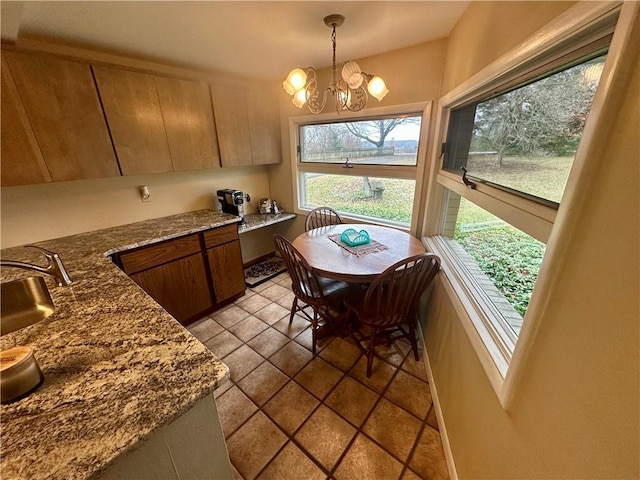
(54, 269)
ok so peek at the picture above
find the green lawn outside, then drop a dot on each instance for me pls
(508, 256)
(346, 194)
(543, 177)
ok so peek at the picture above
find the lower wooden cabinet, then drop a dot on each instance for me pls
(191, 275)
(225, 261)
(181, 286)
(227, 273)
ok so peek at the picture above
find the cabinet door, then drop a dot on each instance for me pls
(61, 101)
(22, 161)
(188, 121)
(227, 273)
(232, 124)
(181, 286)
(130, 101)
(264, 118)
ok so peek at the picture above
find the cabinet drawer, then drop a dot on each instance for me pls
(221, 235)
(154, 255)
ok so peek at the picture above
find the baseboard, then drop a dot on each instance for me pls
(446, 446)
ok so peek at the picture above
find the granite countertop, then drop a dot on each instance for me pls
(116, 365)
(253, 221)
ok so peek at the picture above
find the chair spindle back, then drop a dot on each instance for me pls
(392, 298)
(321, 217)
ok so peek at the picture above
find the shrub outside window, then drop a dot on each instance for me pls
(502, 259)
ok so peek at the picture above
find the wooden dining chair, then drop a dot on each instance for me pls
(321, 217)
(321, 294)
(390, 303)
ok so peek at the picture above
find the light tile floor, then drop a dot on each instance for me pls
(287, 414)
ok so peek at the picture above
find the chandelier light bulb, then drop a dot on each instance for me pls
(377, 88)
(296, 80)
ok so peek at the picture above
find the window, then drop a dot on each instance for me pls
(508, 148)
(377, 141)
(503, 260)
(388, 199)
(365, 168)
(524, 140)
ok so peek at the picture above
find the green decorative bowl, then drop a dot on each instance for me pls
(353, 238)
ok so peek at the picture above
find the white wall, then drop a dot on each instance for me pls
(575, 412)
(40, 212)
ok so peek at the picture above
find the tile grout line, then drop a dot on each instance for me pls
(366, 419)
(290, 437)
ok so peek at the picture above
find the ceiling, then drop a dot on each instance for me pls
(260, 39)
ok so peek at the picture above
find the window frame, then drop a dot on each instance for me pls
(575, 28)
(410, 172)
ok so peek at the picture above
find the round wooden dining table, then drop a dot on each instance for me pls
(330, 260)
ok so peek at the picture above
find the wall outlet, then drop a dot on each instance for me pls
(144, 193)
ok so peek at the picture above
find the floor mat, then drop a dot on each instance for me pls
(263, 271)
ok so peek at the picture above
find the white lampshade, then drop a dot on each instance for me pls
(288, 88)
(355, 80)
(295, 81)
(377, 88)
(352, 74)
(300, 98)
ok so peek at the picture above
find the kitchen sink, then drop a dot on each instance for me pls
(23, 303)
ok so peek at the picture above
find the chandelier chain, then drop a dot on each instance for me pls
(333, 41)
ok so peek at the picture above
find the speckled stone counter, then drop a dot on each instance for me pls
(255, 221)
(116, 365)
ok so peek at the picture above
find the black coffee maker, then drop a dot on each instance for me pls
(232, 202)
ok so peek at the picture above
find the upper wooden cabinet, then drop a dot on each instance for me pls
(61, 103)
(188, 120)
(66, 119)
(22, 161)
(232, 122)
(248, 127)
(133, 112)
(158, 124)
(264, 119)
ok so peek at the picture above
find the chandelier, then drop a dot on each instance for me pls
(348, 92)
